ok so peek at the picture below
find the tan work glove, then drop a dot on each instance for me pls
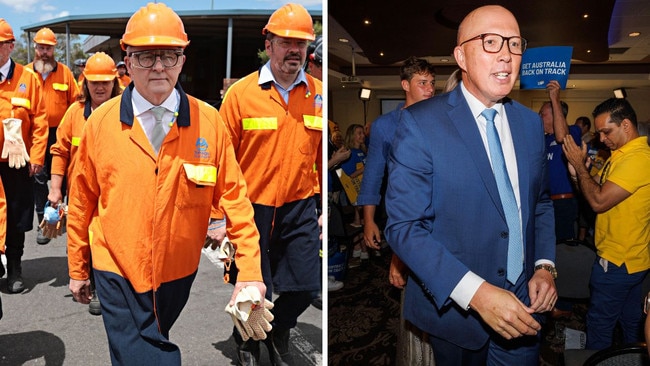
(54, 220)
(251, 319)
(14, 147)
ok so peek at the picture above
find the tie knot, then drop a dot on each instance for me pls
(489, 114)
(158, 112)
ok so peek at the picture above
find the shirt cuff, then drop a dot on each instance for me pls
(465, 289)
(544, 261)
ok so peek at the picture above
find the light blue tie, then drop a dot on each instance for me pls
(515, 250)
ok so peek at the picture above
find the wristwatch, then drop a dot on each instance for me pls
(549, 268)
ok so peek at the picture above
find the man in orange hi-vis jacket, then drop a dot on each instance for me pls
(59, 91)
(150, 165)
(24, 139)
(274, 116)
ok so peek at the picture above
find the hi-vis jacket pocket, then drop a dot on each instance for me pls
(204, 175)
(313, 122)
(60, 87)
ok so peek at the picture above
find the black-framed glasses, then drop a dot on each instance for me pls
(147, 59)
(493, 43)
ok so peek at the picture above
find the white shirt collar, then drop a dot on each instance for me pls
(4, 69)
(475, 105)
(141, 105)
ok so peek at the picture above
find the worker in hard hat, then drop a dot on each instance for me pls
(122, 75)
(24, 140)
(314, 63)
(59, 91)
(149, 166)
(99, 85)
(274, 116)
(80, 64)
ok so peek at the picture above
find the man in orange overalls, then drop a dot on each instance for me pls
(59, 91)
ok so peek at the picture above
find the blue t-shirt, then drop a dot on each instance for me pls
(557, 164)
(357, 156)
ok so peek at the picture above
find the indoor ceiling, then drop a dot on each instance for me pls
(380, 37)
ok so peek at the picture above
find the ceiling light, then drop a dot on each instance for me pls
(588, 51)
(585, 16)
(344, 40)
(634, 34)
(381, 54)
(444, 60)
(366, 22)
(364, 94)
(620, 93)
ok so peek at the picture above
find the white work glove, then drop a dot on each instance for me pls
(14, 146)
(54, 220)
(224, 253)
(251, 319)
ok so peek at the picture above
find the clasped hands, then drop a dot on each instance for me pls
(506, 314)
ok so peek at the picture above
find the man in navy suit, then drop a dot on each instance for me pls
(446, 218)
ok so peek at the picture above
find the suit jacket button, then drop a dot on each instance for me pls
(504, 235)
(501, 272)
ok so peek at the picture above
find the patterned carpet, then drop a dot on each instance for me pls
(364, 316)
(364, 320)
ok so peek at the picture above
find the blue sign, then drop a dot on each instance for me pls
(542, 64)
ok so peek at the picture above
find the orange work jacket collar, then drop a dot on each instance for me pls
(126, 107)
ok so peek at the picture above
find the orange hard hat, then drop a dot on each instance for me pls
(100, 67)
(154, 25)
(291, 21)
(45, 36)
(6, 33)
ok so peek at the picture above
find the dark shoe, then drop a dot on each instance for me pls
(249, 353)
(14, 276)
(95, 307)
(317, 302)
(40, 238)
(15, 285)
(279, 350)
(2, 270)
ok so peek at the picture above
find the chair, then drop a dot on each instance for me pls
(573, 263)
(628, 354)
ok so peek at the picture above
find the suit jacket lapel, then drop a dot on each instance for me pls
(461, 117)
(522, 151)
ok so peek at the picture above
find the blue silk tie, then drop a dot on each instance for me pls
(507, 195)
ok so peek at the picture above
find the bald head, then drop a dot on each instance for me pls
(481, 18)
(489, 76)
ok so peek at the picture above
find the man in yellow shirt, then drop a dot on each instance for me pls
(620, 195)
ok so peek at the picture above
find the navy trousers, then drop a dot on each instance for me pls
(136, 335)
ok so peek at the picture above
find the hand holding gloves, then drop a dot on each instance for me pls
(251, 318)
(14, 147)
